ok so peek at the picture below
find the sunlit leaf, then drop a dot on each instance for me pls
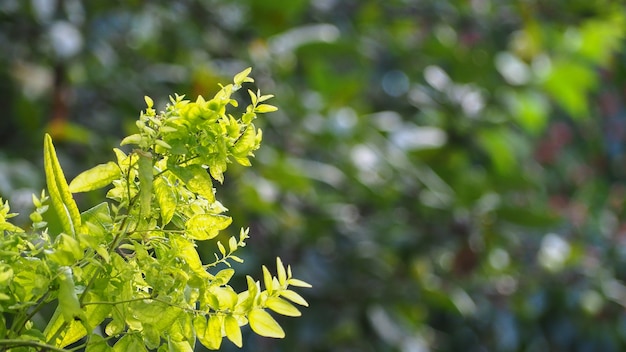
(233, 331)
(95, 178)
(294, 297)
(145, 183)
(283, 307)
(68, 300)
(264, 108)
(206, 226)
(263, 324)
(298, 283)
(166, 198)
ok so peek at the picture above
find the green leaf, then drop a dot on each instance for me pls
(6, 274)
(196, 179)
(97, 344)
(151, 336)
(66, 250)
(186, 251)
(179, 346)
(98, 221)
(283, 307)
(263, 324)
(200, 326)
(226, 297)
(298, 283)
(223, 276)
(206, 226)
(166, 198)
(68, 300)
(129, 343)
(267, 280)
(145, 182)
(132, 139)
(263, 108)
(233, 331)
(149, 101)
(62, 201)
(282, 274)
(242, 77)
(294, 297)
(214, 332)
(95, 178)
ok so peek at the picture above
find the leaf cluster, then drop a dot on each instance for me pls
(130, 264)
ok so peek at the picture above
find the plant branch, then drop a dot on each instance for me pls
(37, 344)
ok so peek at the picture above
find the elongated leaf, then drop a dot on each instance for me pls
(206, 226)
(282, 274)
(233, 331)
(294, 297)
(166, 198)
(68, 300)
(145, 182)
(283, 307)
(263, 324)
(196, 179)
(263, 108)
(132, 139)
(62, 201)
(95, 178)
(267, 280)
(298, 283)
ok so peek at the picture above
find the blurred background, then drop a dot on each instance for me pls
(449, 175)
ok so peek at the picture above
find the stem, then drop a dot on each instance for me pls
(36, 309)
(40, 345)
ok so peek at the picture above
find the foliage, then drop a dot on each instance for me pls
(130, 264)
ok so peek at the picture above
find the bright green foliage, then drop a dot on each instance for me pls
(131, 264)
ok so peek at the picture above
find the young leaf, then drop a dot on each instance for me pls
(95, 178)
(233, 332)
(283, 307)
(60, 195)
(232, 244)
(263, 108)
(294, 297)
(282, 274)
(267, 280)
(298, 283)
(206, 226)
(242, 77)
(149, 101)
(132, 139)
(263, 324)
